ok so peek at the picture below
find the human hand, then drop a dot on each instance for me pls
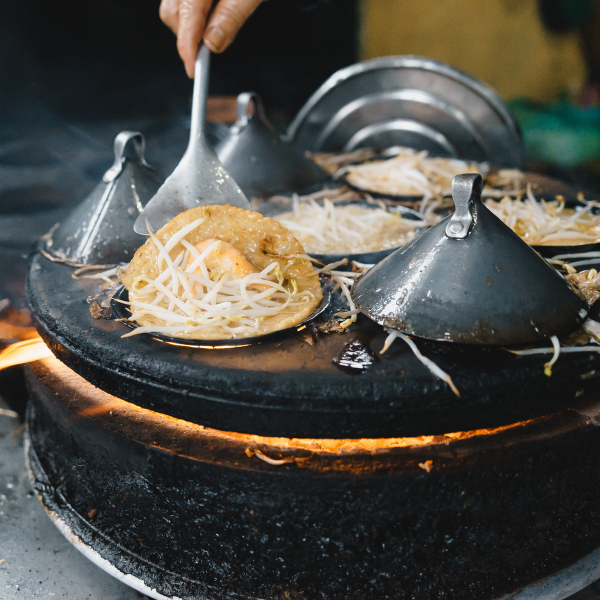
(188, 21)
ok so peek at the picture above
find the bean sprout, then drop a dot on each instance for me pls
(269, 460)
(592, 328)
(329, 229)
(344, 281)
(570, 349)
(549, 364)
(409, 173)
(549, 223)
(332, 162)
(426, 361)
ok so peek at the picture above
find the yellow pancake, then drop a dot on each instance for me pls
(260, 239)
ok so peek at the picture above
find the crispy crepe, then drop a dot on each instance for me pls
(261, 240)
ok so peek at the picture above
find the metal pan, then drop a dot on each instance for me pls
(547, 188)
(388, 154)
(552, 251)
(121, 311)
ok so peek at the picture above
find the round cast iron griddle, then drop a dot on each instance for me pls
(290, 387)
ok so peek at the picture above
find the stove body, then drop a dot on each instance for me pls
(194, 513)
(145, 489)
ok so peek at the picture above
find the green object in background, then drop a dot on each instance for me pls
(561, 134)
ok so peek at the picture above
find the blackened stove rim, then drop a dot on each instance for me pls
(53, 498)
(287, 388)
(231, 449)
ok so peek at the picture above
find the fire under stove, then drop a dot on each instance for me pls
(291, 469)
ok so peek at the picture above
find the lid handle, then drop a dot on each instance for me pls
(466, 189)
(249, 106)
(129, 145)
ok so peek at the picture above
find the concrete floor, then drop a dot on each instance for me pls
(36, 561)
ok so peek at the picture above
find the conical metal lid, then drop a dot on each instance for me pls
(470, 279)
(100, 229)
(259, 160)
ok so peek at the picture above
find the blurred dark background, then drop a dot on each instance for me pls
(115, 59)
(73, 74)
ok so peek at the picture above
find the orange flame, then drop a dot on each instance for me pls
(101, 403)
(368, 444)
(24, 352)
(36, 349)
(203, 347)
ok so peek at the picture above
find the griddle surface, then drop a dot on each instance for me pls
(287, 387)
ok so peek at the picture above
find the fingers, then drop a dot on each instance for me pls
(169, 14)
(226, 20)
(187, 19)
(192, 21)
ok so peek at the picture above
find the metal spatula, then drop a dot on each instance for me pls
(199, 179)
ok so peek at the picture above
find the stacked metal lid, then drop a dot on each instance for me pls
(409, 101)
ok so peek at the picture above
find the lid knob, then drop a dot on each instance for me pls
(129, 145)
(466, 189)
(250, 105)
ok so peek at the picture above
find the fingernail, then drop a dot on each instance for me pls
(215, 37)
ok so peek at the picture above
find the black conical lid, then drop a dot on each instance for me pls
(260, 161)
(470, 279)
(100, 228)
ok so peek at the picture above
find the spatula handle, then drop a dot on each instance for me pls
(466, 189)
(198, 123)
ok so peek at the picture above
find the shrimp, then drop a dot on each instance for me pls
(226, 258)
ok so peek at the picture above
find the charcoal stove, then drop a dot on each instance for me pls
(192, 513)
(308, 466)
(283, 470)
